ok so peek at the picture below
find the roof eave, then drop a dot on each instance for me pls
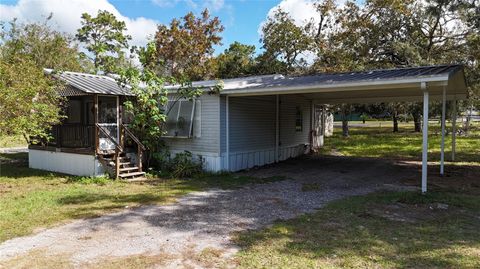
(350, 86)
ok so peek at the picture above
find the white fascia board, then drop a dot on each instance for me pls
(369, 100)
(339, 87)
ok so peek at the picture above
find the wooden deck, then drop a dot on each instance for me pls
(85, 151)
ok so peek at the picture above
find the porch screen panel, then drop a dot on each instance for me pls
(107, 119)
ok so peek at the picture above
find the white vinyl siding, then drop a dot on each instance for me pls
(252, 130)
(252, 123)
(206, 140)
(288, 109)
(223, 129)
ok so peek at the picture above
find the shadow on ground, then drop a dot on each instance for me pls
(208, 218)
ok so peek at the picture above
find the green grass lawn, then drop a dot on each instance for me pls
(374, 141)
(382, 230)
(31, 199)
(385, 229)
(12, 141)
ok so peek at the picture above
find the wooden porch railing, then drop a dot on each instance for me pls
(140, 147)
(73, 136)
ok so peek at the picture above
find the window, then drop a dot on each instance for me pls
(298, 119)
(74, 111)
(183, 119)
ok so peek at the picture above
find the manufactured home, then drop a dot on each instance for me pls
(251, 122)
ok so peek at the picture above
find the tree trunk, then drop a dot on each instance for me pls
(417, 122)
(345, 128)
(344, 124)
(395, 122)
(468, 119)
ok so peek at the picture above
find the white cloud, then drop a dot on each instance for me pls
(165, 3)
(212, 5)
(301, 11)
(66, 16)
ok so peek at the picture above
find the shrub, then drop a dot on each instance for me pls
(161, 160)
(183, 165)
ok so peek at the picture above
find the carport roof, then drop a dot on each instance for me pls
(384, 85)
(402, 84)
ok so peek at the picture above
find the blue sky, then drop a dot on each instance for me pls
(241, 18)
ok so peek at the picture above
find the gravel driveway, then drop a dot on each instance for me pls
(206, 220)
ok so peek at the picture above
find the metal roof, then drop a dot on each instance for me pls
(338, 78)
(391, 80)
(91, 84)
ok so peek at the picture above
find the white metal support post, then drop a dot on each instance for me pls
(454, 127)
(425, 138)
(312, 125)
(277, 127)
(442, 144)
(227, 127)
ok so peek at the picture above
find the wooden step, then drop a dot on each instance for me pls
(128, 169)
(131, 175)
(124, 163)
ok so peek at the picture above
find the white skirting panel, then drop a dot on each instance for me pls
(67, 163)
(292, 151)
(249, 159)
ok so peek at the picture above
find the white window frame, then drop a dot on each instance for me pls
(197, 128)
(192, 117)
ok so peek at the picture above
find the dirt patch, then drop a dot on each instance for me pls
(410, 213)
(5, 188)
(461, 178)
(311, 187)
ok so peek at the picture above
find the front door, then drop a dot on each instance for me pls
(108, 117)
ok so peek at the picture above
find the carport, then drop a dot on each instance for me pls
(443, 83)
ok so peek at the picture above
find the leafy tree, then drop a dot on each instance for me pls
(45, 47)
(104, 36)
(29, 103)
(149, 109)
(236, 61)
(266, 64)
(470, 10)
(393, 33)
(323, 32)
(284, 40)
(184, 48)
